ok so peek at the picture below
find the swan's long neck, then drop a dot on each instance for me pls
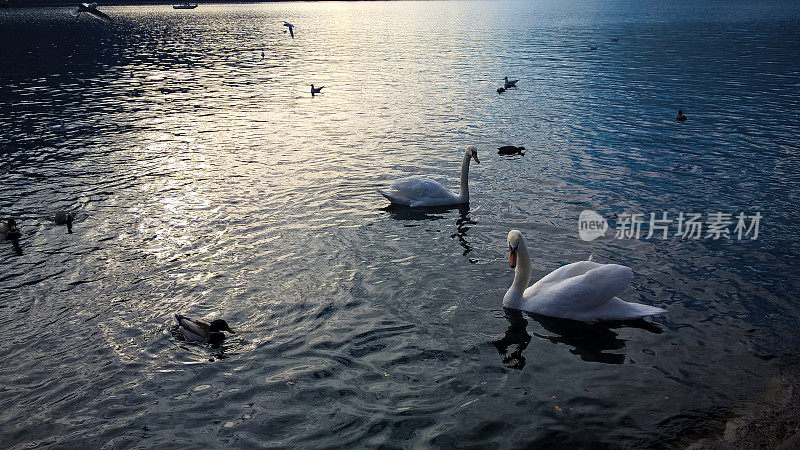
(522, 276)
(464, 193)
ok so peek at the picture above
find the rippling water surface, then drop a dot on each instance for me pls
(208, 181)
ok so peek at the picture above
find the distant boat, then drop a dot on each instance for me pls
(185, 6)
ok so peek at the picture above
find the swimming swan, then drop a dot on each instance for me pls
(417, 191)
(583, 290)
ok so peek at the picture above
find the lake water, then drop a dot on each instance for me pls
(208, 181)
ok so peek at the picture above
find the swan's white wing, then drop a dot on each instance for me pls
(581, 293)
(562, 273)
(422, 190)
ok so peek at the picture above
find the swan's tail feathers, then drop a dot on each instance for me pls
(618, 309)
(395, 197)
(638, 310)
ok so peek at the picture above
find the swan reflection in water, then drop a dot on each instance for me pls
(517, 337)
(433, 213)
(593, 342)
(463, 224)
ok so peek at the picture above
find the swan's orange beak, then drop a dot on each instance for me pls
(475, 157)
(512, 258)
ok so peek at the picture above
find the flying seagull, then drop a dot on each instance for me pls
(91, 9)
(291, 28)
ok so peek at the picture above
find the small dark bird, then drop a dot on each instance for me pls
(291, 28)
(509, 83)
(316, 90)
(65, 218)
(60, 128)
(616, 39)
(681, 116)
(510, 150)
(91, 9)
(196, 330)
(501, 90)
(9, 230)
(592, 47)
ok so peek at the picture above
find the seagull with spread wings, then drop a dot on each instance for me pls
(91, 9)
(291, 28)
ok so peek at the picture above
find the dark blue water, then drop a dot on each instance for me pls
(206, 180)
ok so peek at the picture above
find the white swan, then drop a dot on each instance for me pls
(417, 191)
(583, 290)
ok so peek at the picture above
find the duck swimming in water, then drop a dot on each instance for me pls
(9, 230)
(510, 150)
(501, 90)
(196, 330)
(316, 90)
(681, 116)
(64, 218)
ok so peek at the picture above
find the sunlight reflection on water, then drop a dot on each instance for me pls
(208, 181)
